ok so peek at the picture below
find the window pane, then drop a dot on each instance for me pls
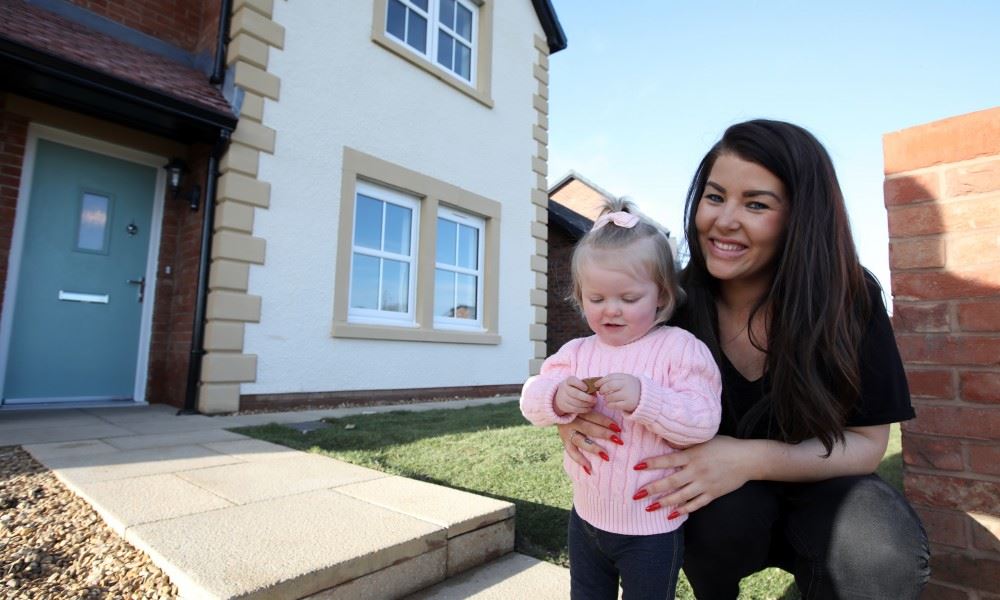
(421, 3)
(93, 222)
(364, 282)
(395, 282)
(466, 294)
(395, 21)
(447, 15)
(447, 232)
(368, 223)
(444, 293)
(397, 229)
(416, 34)
(468, 247)
(445, 49)
(463, 24)
(463, 61)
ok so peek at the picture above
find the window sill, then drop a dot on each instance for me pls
(480, 95)
(409, 334)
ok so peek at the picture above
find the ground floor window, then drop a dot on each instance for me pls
(418, 258)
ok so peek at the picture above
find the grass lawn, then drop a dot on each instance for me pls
(492, 451)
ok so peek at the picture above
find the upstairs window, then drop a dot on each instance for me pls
(443, 31)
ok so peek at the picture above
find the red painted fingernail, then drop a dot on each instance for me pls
(604, 455)
(673, 515)
(640, 495)
(617, 440)
(587, 469)
(614, 427)
(640, 466)
(653, 506)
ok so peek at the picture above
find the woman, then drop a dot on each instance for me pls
(811, 381)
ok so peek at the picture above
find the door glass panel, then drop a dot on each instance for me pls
(92, 234)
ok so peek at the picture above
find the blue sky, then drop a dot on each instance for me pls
(646, 86)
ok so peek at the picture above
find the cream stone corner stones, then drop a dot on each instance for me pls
(234, 248)
(540, 198)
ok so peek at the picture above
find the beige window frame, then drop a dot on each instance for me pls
(481, 89)
(432, 194)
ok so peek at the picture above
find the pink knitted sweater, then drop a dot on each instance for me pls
(679, 401)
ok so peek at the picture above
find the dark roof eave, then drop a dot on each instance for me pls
(568, 219)
(555, 36)
(52, 79)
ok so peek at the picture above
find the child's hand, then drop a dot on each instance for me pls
(572, 397)
(620, 391)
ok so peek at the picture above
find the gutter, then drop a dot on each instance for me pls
(222, 42)
(204, 258)
(207, 225)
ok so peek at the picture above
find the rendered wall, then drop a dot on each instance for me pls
(339, 89)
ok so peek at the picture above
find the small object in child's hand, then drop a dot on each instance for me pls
(591, 384)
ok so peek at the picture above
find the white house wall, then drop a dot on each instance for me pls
(339, 89)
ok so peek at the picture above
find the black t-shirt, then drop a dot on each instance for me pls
(885, 396)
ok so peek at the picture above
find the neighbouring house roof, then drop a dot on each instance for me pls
(573, 175)
(577, 193)
(575, 202)
(568, 220)
(554, 34)
(48, 57)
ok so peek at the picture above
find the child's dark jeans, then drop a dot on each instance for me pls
(648, 565)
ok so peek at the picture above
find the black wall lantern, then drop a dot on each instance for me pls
(176, 170)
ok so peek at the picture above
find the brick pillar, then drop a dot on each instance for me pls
(942, 193)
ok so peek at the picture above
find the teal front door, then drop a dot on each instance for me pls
(80, 286)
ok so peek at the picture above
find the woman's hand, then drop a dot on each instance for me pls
(580, 437)
(705, 472)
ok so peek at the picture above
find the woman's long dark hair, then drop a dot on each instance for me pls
(817, 305)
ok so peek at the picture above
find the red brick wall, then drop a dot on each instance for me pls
(173, 313)
(188, 24)
(564, 321)
(942, 193)
(13, 135)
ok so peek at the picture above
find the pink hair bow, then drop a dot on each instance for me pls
(621, 219)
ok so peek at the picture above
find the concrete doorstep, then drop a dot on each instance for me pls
(242, 518)
(227, 516)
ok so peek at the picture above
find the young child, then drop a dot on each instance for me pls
(660, 382)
